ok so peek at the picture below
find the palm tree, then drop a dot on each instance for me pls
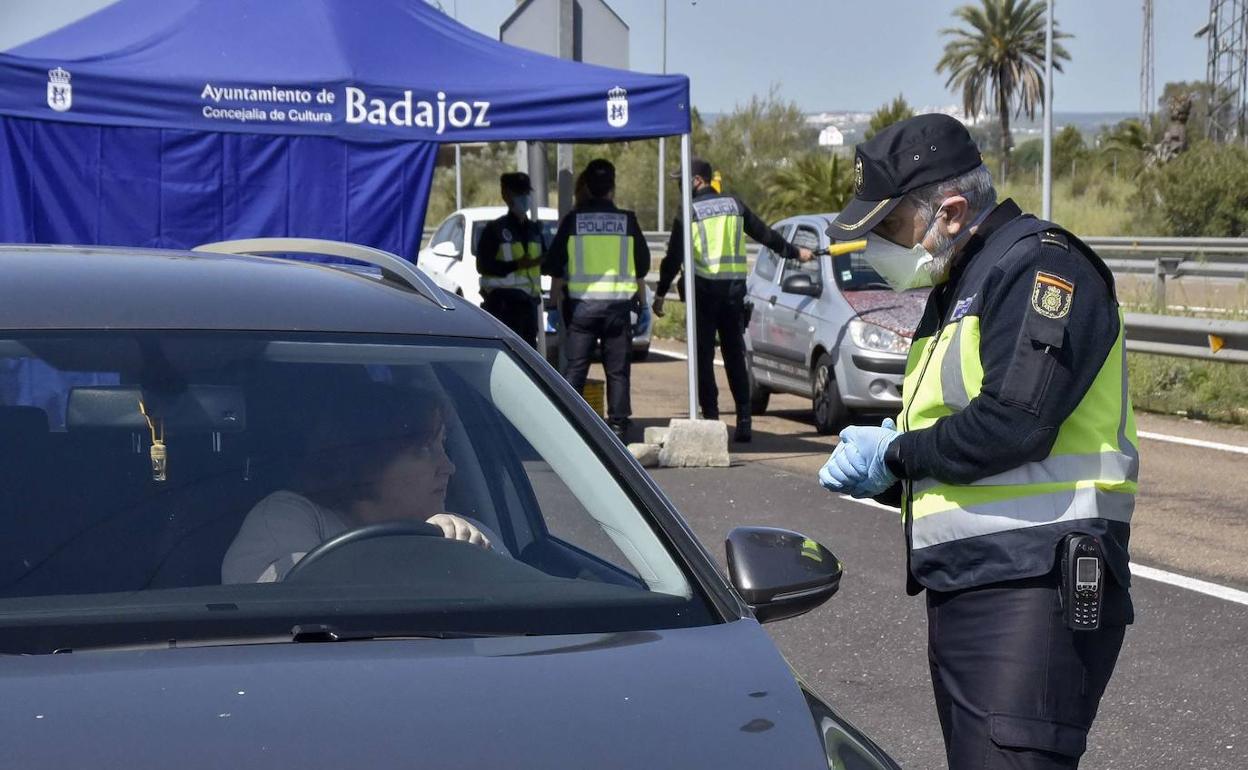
(997, 61)
(815, 181)
(893, 112)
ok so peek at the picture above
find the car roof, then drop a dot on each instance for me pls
(807, 219)
(103, 287)
(477, 213)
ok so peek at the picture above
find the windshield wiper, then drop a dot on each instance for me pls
(319, 632)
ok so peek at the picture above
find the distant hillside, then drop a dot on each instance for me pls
(853, 123)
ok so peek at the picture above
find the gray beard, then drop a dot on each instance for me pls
(942, 258)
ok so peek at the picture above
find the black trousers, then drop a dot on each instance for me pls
(1015, 688)
(591, 321)
(725, 316)
(516, 309)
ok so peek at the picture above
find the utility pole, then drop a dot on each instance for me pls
(663, 141)
(1046, 195)
(1148, 93)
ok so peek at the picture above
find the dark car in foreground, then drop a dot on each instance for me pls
(152, 401)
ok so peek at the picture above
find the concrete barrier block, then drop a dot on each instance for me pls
(696, 444)
(647, 454)
(656, 435)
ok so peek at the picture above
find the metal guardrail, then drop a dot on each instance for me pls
(1203, 338)
(1163, 258)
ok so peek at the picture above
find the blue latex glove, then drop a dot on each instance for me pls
(871, 444)
(845, 470)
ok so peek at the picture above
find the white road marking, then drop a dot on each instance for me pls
(1137, 570)
(1243, 450)
(678, 355)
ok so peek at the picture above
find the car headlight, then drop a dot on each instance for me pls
(869, 336)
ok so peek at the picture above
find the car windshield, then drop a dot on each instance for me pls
(853, 273)
(548, 232)
(165, 487)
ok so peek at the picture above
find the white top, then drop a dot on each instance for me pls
(281, 529)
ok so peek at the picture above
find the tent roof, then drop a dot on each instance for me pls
(364, 70)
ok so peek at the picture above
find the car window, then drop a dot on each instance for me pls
(853, 273)
(456, 234)
(308, 479)
(767, 264)
(443, 233)
(804, 237)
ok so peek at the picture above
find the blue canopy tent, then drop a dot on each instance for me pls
(171, 123)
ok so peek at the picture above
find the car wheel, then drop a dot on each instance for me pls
(830, 411)
(759, 396)
(641, 354)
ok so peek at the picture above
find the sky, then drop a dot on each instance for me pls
(827, 54)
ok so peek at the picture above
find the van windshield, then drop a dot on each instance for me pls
(195, 486)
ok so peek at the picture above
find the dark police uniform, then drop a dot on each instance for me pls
(600, 252)
(719, 282)
(1016, 431)
(511, 294)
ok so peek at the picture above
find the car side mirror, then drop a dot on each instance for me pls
(801, 283)
(780, 574)
(446, 249)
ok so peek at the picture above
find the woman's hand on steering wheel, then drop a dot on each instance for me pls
(458, 528)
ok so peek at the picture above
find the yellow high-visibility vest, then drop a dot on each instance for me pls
(718, 236)
(602, 257)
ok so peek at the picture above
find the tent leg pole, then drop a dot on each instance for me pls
(691, 323)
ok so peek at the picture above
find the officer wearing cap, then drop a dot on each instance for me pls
(1016, 432)
(597, 260)
(509, 259)
(719, 223)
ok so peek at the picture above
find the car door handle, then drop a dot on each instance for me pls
(771, 300)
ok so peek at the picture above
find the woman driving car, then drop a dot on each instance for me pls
(378, 458)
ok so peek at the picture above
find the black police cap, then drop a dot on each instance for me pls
(902, 158)
(516, 182)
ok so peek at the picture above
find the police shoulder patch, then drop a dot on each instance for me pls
(507, 238)
(1055, 238)
(1051, 295)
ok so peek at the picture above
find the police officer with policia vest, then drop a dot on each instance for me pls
(598, 260)
(509, 259)
(719, 223)
(1016, 445)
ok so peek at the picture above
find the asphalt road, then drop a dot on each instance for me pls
(1178, 696)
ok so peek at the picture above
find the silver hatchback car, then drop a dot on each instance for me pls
(830, 329)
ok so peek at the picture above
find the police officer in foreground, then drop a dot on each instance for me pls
(719, 222)
(597, 259)
(1015, 461)
(509, 259)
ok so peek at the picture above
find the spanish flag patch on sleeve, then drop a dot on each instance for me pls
(1051, 296)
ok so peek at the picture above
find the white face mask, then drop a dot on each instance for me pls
(915, 267)
(520, 204)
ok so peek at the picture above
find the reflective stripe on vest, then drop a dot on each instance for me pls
(602, 258)
(1090, 473)
(718, 240)
(527, 280)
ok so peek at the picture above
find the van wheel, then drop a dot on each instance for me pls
(759, 396)
(830, 412)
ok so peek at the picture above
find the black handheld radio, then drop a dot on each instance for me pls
(1083, 582)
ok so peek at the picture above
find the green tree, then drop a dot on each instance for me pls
(754, 140)
(1126, 146)
(816, 182)
(1201, 193)
(894, 112)
(996, 61)
(1068, 150)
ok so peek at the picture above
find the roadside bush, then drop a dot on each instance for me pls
(1202, 193)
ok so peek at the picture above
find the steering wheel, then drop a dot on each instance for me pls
(358, 535)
